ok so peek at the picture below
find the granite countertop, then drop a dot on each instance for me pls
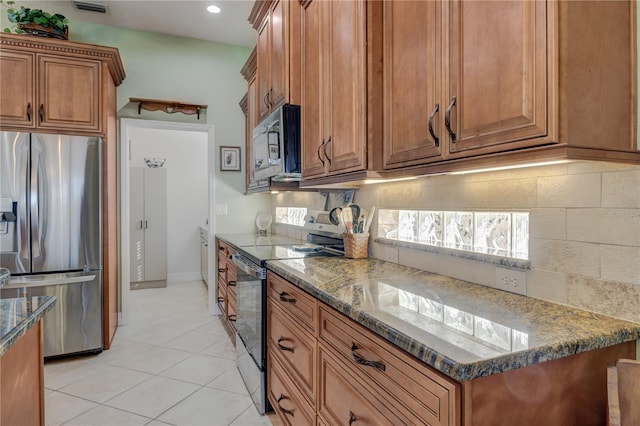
(5, 275)
(248, 239)
(461, 329)
(18, 315)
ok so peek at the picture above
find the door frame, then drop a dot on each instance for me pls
(126, 125)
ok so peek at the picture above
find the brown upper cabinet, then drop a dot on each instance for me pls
(42, 91)
(271, 19)
(333, 87)
(530, 81)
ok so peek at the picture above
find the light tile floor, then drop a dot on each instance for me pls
(172, 364)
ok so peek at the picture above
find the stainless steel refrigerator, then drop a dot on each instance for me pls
(50, 232)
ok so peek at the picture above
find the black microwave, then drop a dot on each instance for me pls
(276, 145)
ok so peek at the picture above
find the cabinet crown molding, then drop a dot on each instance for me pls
(258, 12)
(109, 55)
(250, 67)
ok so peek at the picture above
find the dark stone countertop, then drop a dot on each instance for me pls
(18, 315)
(461, 329)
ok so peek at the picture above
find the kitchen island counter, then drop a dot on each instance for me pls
(464, 330)
(19, 315)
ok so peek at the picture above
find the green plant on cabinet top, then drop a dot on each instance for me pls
(36, 21)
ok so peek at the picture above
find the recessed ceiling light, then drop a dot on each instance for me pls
(213, 9)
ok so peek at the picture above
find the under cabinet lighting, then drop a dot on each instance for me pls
(517, 166)
(372, 181)
(213, 9)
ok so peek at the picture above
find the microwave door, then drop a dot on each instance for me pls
(267, 154)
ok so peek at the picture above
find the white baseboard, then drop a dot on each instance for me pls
(184, 277)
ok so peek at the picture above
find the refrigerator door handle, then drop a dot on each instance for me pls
(22, 204)
(37, 281)
(34, 198)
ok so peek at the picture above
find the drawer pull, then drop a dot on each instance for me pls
(283, 347)
(220, 299)
(357, 358)
(284, 410)
(284, 298)
(352, 417)
(232, 283)
(232, 317)
(221, 269)
(221, 248)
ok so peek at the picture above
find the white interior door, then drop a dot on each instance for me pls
(136, 220)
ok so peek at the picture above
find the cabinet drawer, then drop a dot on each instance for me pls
(342, 400)
(232, 280)
(293, 301)
(286, 399)
(406, 383)
(294, 347)
(231, 307)
(222, 297)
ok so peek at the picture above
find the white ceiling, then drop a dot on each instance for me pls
(186, 18)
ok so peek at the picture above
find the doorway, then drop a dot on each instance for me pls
(143, 138)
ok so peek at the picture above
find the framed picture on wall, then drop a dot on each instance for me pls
(229, 158)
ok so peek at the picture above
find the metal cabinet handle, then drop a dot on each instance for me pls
(284, 410)
(447, 120)
(325, 150)
(352, 418)
(146, 224)
(220, 299)
(283, 347)
(29, 111)
(232, 283)
(284, 298)
(265, 100)
(41, 112)
(319, 156)
(221, 269)
(232, 317)
(269, 93)
(362, 361)
(431, 132)
(220, 248)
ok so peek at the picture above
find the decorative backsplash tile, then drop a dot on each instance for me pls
(291, 215)
(504, 234)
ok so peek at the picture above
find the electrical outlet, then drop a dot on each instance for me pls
(511, 280)
(391, 254)
(221, 209)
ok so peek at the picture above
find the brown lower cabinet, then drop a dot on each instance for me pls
(226, 283)
(333, 371)
(22, 381)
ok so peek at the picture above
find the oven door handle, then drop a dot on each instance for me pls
(248, 266)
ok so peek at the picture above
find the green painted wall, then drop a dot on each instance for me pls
(175, 68)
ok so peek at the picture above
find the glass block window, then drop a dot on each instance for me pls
(503, 234)
(291, 215)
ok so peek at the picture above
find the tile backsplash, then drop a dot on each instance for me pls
(584, 228)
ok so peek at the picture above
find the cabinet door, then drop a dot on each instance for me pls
(69, 94)
(412, 83)
(279, 53)
(313, 142)
(264, 69)
(498, 75)
(17, 105)
(346, 77)
(155, 216)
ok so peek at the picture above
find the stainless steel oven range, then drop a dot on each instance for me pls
(251, 308)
